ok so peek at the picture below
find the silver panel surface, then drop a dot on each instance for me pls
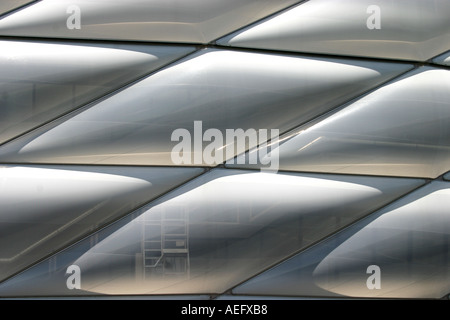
(380, 29)
(9, 5)
(40, 81)
(211, 234)
(197, 21)
(400, 129)
(44, 209)
(443, 59)
(221, 89)
(407, 242)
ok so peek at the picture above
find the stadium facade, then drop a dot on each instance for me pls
(225, 149)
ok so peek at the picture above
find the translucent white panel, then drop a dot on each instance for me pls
(400, 129)
(44, 209)
(221, 89)
(400, 252)
(40, 80)
(443, 59)
(416, 30)
(150, 20)
(210, 234)
(8, 5)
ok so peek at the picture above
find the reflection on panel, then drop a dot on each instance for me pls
(197, 21)
(443, 59)
(40, 81)
(400, 252)
(44, 209)
(219, 89)
(355, 28)
(210, 234)
(8, 5)
(400, 129)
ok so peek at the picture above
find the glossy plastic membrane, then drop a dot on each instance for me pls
(400, 129)
(443, 59)
(199, 21)
(401, 251)
(44, 209)
(9, 5)
(40, 81)
(209, 235)
(217, 89)
(354, 28)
